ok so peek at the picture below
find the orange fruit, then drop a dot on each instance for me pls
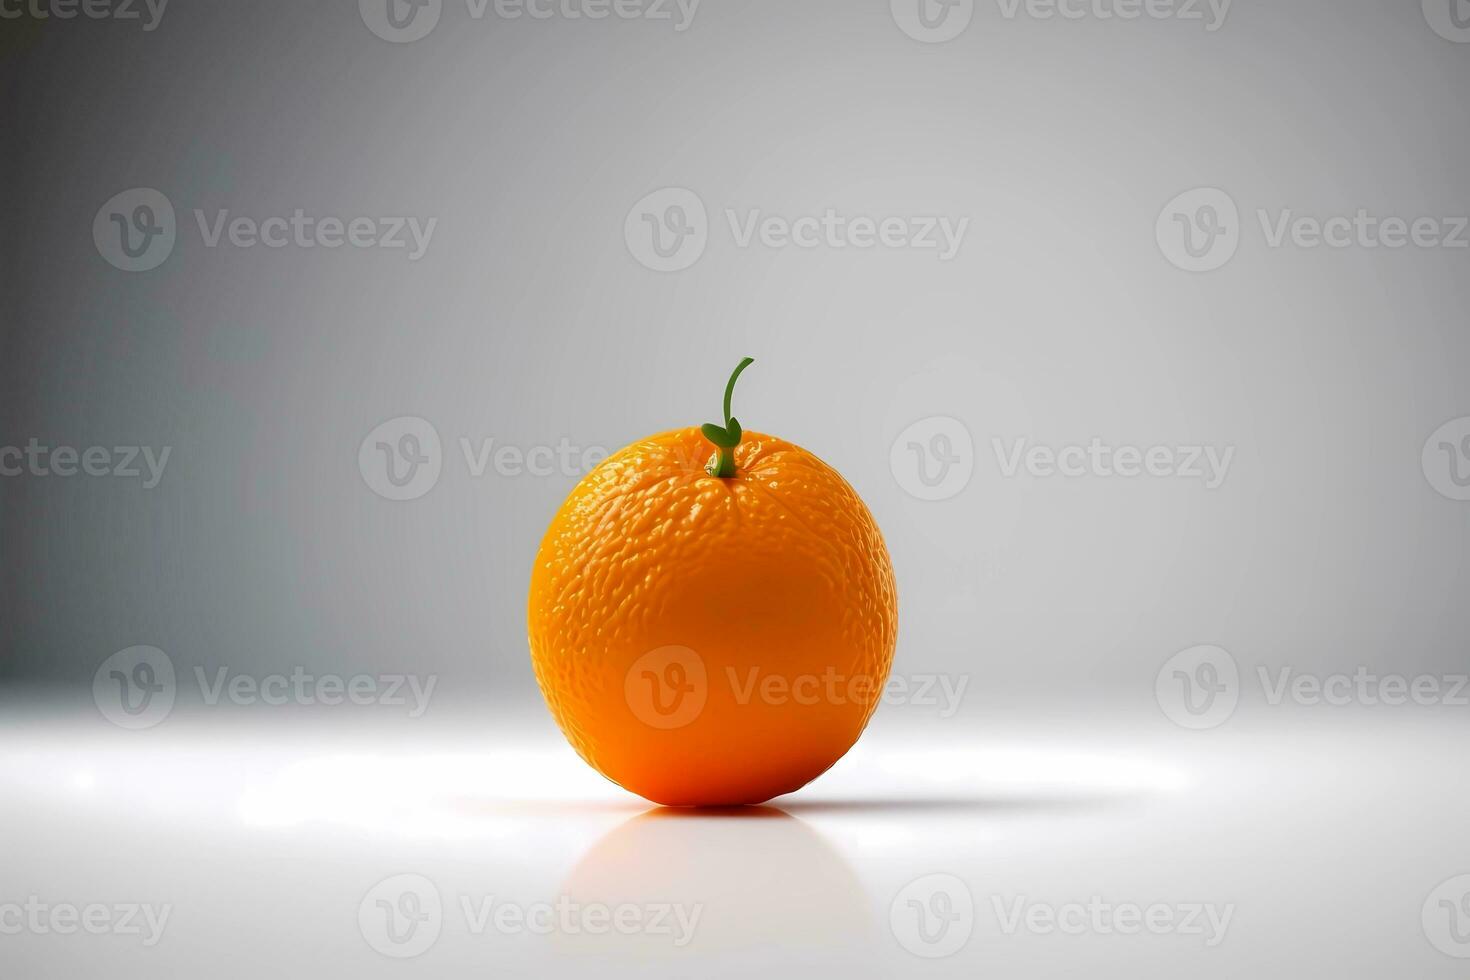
(712, 634)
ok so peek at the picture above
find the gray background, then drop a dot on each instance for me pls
(529, 321)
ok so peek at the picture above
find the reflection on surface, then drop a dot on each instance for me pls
(769, 888)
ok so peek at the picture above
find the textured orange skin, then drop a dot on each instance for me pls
(778, 572)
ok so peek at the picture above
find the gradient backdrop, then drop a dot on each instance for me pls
(529, 321)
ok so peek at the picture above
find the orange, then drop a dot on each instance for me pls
(712, 633)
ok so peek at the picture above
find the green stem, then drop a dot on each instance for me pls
(723, 465)
(726, 439)
(730, 385)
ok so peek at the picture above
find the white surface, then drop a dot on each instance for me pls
(1321, 837)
